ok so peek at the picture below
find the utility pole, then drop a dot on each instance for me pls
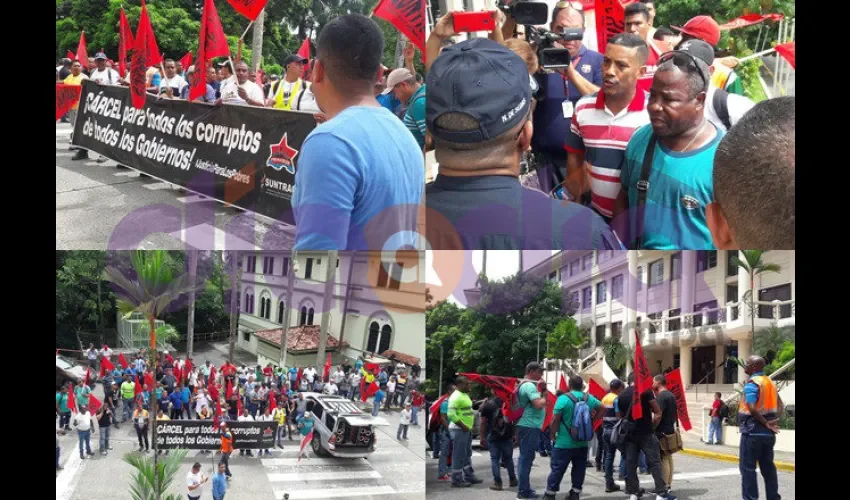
(399, 51)
(190, 327)
(257, 42)
(352, 260)
(290, 283)
(235, 272)
(330, 272)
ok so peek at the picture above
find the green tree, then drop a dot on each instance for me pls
(150, 291)
(82, 303)
(617, 354)
(151, 480)
(786, 353)
(771, 340)
(754, 266)
(566, 340)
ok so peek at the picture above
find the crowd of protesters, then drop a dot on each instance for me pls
(620, 149)
(182, 390)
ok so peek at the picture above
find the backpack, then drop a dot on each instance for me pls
(499, 427)
(720, 102)
(622, 429)
(723, 411)
(513, 411)
(582, 427)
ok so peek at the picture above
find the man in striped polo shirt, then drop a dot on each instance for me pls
(603, 124)
(402, 83)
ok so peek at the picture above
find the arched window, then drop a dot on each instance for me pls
(280, 312)
(268, 307)
(303, 316)
(386, 335)
(374, 330)
(249, 302)
(310, 316)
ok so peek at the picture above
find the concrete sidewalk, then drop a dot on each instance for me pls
(783, 460)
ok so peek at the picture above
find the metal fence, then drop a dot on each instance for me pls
(777, 76)
(134, 331)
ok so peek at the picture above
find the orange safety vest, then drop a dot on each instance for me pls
(768, 402)
(226, 443)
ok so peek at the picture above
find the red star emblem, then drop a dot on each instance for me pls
(283, 149)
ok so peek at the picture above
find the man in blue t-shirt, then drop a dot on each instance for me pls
(360, 175)
(376, 403)
(680, 185)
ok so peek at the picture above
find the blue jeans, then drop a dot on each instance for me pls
(648, 444)
(436, 441)
(502, 451)
(414, 415)
(375, 408)
(561, 459)
(715, 429)
(127, 410)
(641, 463)
(84, 436)
(104, 438)
(545, 442)
(610, 451)
(57, 457)
(529, 439)
(445, 449)
(461, 456)
(64, 420)
(758, 449)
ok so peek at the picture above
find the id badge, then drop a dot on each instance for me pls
(567, 107)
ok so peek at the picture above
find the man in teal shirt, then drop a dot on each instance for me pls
(567, 450)
(679, 185)
(529, 425)
(82, 393)
(402, 83)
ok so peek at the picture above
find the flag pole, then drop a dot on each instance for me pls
(758, 54)
(246, 30)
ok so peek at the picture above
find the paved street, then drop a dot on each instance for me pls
(100, 206)
(396, 470)
(693, 479)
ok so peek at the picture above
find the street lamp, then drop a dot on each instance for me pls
(440, 388)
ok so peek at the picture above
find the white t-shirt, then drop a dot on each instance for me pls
(736, 105)
(310, 374)
(177, 83)
(390, 386)
(339, 377)
(107, 76)
(192, 480)
(230, 91)
(331, 389)
(202, 401)
(264, 418)
(405, 416)
(243, 418)
(82, 421)
(107, 353)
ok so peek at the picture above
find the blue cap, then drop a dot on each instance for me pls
(482, 79)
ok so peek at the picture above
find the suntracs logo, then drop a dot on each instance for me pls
(282, 156)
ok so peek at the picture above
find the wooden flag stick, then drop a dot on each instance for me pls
(246, 30)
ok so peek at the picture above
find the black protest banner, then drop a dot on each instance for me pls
(242, 155)
(204, 435)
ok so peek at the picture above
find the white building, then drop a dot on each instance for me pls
(383, 296)
(687, 305)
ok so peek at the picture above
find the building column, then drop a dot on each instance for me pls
(685, 364)
(631, 297)
(689, 274)
(719, 355)
(745, 349)
(743, 287)
(608, 302)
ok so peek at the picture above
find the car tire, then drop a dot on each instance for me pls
(316, 445)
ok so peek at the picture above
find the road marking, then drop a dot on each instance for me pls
(157, 186)
(194, 198)
(322, 476)
(64, 153)
(292, 462)
(696, 475)
(64, 490)
(199, 236)
(125, 174)
(335, 493)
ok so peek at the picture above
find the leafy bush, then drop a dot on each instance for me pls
(272, 69)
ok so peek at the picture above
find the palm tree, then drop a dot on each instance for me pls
(753, 264)
(153, 288)
(617, 354)
(771, 340)
(150, 482)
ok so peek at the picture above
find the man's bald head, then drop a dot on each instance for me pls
(754, 364)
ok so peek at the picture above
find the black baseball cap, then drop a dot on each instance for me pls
(480, 78)
(699, 51)
(293, 58)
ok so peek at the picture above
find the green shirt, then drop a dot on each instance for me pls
(531, 417)
(565, 406)
(460, 409)
(82, 394)
(414, 117)
(62, 400)
(128, 390)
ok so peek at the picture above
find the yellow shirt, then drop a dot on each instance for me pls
(280, 415)
(286, 103)
(75, 80)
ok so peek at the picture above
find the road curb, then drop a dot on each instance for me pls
(732, 458)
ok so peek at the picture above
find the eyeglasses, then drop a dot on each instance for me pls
(574, 5)
(685, 60)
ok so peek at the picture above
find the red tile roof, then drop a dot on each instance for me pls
(298, 339)
(400, 356)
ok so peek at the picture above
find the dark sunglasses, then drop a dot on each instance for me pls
(686, 61)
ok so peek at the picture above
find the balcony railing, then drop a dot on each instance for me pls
(774, 311)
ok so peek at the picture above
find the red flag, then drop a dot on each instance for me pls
(643, 379)
(550, 408)
(188, 367)
(304, 442)
(327, 371)
(218, 414)
(212, 375)
(238, 406)
(372, 389)
(122, 360)
(66, 97)
(88, 375)
(125, 42)
(138, 388)
(435, 408)
(562, 386)
(177, 373)
(105, 364)
(72, 400)
(213, 390)
(186, 60)
(139, 62)
(212, 43)
(154, 56)
(272, 401)
(363, 389)
(149, 381)
(610, 21)
(298, 382)
(304, 52)
(248, 8)
(408, 16)
(94, 404)
(503, 386)
(70, 55)
(749, 20)
(674, 385)
(788, 51)
(82, 55)
(229, 391)
(597, 392)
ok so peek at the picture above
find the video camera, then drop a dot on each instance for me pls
(530, 13)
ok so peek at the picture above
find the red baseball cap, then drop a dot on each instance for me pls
(703, 27)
